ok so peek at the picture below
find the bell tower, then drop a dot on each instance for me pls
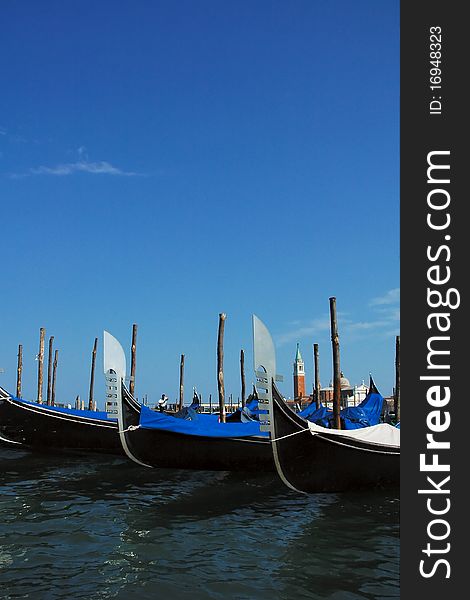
(299, 375)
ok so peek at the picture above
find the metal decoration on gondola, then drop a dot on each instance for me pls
(114, 371)
(264, 356)
(115, 374)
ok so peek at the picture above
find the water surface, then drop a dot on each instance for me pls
(101, 527)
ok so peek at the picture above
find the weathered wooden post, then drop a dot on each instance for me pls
(49, 370)
(336, 365)
(42, 333)
(317, 375)
(220, 366)
(396, 400)
(181, 398)
(242, 375)
(133, 353)
(92, 375)
(19, 371)
(54, 375)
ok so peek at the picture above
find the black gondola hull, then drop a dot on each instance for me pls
(43, 429)
(158, 448)
(326, 463)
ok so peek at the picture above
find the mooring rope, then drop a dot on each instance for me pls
(130, 428)
(289, 435)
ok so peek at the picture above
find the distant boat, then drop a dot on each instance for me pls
(310, 458)
(155, 439)
(46, 427)
(247, 413)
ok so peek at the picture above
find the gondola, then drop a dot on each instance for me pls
(44, 427)
(154, 439)
(310, 458)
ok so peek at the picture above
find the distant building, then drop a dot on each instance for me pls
(390, 400)
(299, 377)
(350, 395)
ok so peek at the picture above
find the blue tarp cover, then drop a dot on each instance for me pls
(322, 416)
(249, 412)
(207, 427)
(366, 414)
(89, 414)
(187, 412)
(369, 412)
(313, 414)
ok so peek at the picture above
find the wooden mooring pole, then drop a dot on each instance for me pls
(396, 400)
(92, 375)
(54, 376)
(42, 333)
(316, 364)
(336, 365)
(242, 375)
(19, 371)
(220, 366)
(181, 398)
(133, 354)
(49, 371)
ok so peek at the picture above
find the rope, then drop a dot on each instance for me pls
(130, 428)
(289, 435)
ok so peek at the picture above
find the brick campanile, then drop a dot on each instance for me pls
(299, 375)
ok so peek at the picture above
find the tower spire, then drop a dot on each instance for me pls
(299, 375)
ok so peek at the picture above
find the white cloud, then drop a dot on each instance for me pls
(308, 329)
(390, 297)
(385, 315)
(81, 166)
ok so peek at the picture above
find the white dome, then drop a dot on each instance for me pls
(344, 382)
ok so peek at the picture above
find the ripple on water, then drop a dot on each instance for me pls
(100, 527)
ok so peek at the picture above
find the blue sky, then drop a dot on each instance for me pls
(161, 162)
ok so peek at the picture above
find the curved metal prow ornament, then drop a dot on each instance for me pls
(263, 347)
(114, 363)
(113, 356)
(114, 366)
(264, 356)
